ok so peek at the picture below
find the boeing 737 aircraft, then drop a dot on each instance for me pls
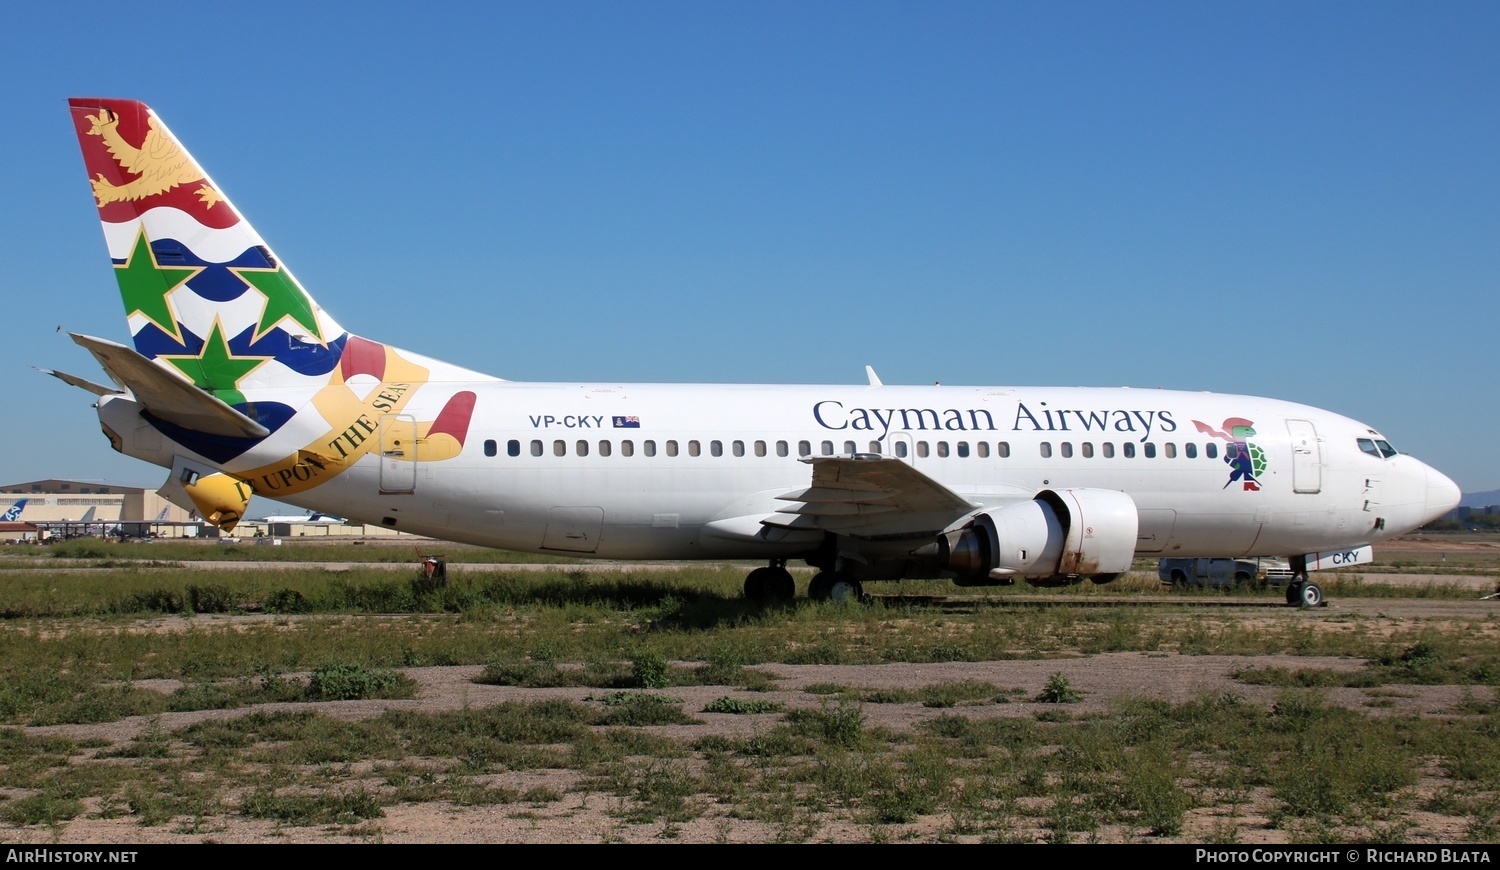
(241, 384)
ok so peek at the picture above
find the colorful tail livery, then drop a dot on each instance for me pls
(13, 513)
(233, 359)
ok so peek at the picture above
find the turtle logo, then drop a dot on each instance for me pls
(1246, 459)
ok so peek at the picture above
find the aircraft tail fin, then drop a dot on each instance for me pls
(205, 297)
(13, 513)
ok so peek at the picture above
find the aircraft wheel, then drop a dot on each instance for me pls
(820, 586)
(1294, 592)
(755, 584)
(845, 588)
(1311, 595)
(779, 585)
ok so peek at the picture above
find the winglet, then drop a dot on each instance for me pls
(874, 378)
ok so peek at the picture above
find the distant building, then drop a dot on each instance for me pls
(56, 500)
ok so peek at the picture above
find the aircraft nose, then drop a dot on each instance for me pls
(1443, 495)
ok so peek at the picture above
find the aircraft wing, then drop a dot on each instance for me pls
(869, 495)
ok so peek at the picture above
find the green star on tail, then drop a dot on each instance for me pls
(284, 298)
(215, 369)
(145, 285)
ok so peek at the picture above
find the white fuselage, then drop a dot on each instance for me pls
(641, 471)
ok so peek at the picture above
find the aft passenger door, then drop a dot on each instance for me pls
(398, 453)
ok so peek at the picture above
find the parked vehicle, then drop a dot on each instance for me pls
(1262, 571)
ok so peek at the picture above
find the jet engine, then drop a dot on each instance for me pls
(1060, 536)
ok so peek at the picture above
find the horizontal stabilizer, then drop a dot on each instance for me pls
(167, 396)
(75, 381)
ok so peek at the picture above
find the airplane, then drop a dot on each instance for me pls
(241, 384)
(313, 517)
(13, 513)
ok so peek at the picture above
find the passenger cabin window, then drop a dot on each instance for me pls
(627, 448)
(942, 448)
(1067, 450)
(983, 449)
(1087, 448)
(922, 449)
(1211, 450)
(1108, 449)
(1190, 450)
(875, 447)
(1170, 449)
(716, 448)
(782, 449)
(1046, 449)
(901, 449)
(536, 448)
(1150, 450)
(963, 448)
(605, 448)
(512, 448)
(671, 448)
(1002, 449)
(694, 448)
(827, 448)
(491, 448)
(583, 448)
(559, 448)
(849, 448)
(648, 447)
(1128, 450)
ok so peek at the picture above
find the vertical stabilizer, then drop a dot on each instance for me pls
(204, 295)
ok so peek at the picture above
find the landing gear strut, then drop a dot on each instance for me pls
(772, 583)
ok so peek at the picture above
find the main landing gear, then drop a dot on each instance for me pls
(834, 586)
(773, 583)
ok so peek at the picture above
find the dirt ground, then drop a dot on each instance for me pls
(585, 816)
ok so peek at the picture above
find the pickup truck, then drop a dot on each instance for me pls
(1261, 571)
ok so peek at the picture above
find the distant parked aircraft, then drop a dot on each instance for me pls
(313, 517)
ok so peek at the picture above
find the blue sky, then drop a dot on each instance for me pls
(1299, 200)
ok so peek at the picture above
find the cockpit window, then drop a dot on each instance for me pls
(1376, 447)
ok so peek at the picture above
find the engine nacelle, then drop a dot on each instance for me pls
(1059, 534)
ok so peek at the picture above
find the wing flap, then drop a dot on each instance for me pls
(868, 494)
